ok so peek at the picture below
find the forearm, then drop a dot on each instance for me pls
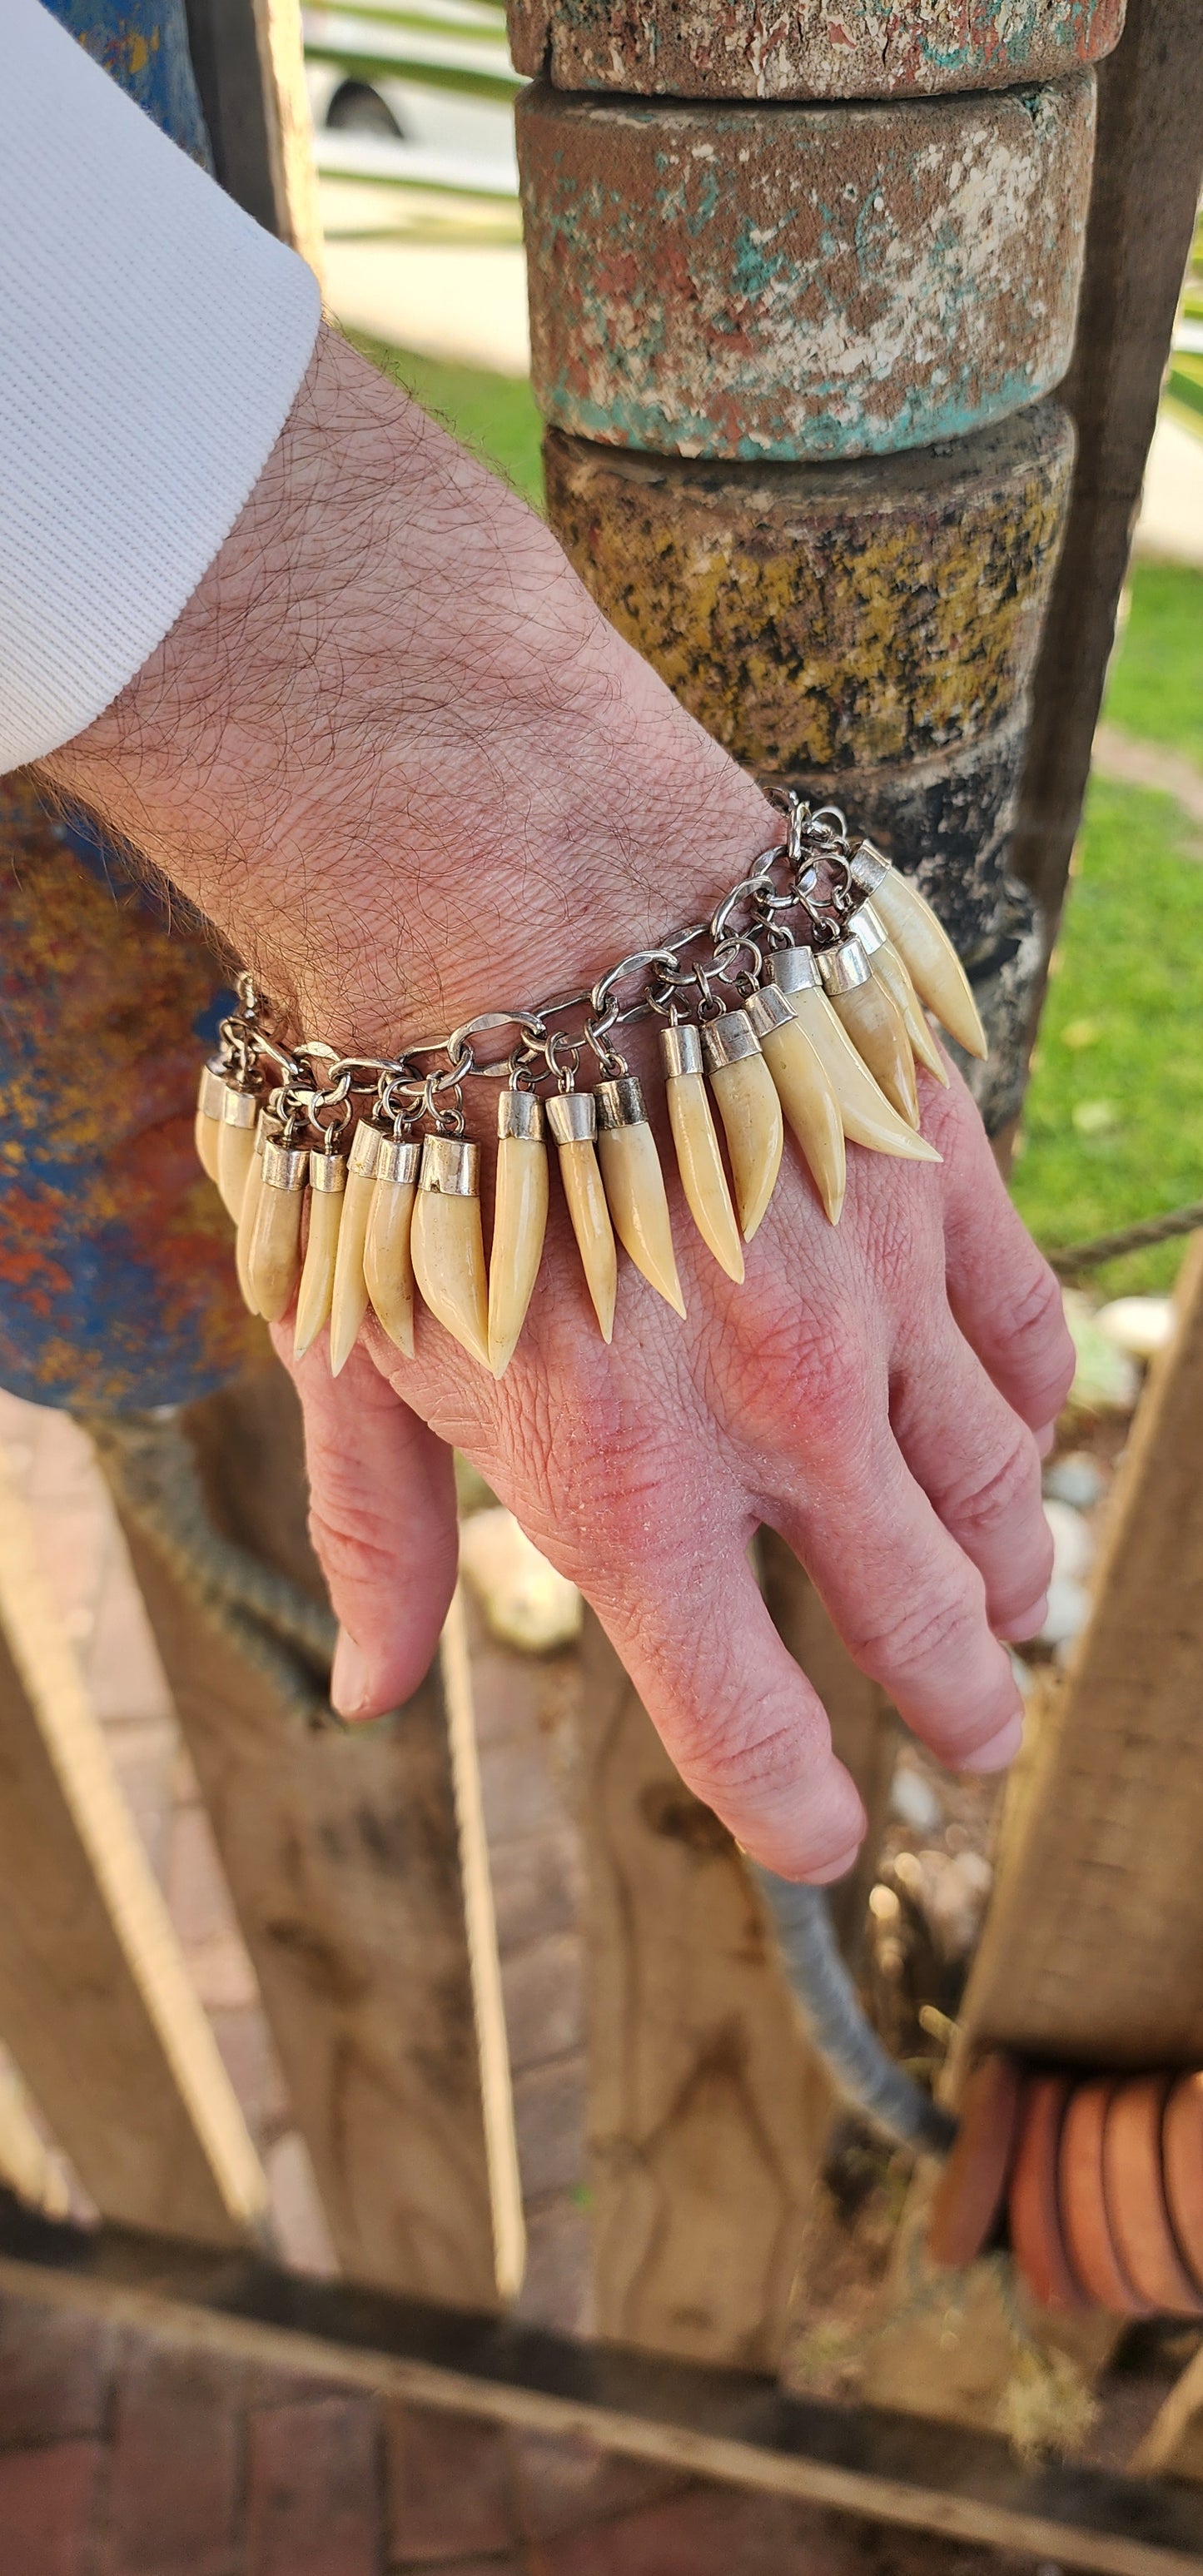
(392, 750)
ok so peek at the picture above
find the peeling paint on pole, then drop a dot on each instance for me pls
(837, 49)
(802, 282)
(827, 615)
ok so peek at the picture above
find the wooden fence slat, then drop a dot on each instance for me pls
(342, 1854)
(249, 62)
(708, 2109)
(1094, 1937)
(480, 1926)
(96, 2004)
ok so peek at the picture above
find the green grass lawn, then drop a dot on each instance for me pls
(1113, 1128)
(1114, 1121)
(493, 415)
(1156, 684)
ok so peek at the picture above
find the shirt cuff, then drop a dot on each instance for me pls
(153, 339)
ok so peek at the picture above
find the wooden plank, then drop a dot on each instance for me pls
(480, 1927)
(729, 2425)
(342, 1854)
(708, 2110)
(248, 58)
(96, 2004)
(1092, 1944)
(1147, 174)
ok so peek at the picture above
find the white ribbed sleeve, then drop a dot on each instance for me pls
(152, 338)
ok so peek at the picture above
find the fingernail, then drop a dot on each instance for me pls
(1045, 1438)
(349, 1677)
(833, 1869)
(1001, 1749)
(1029, 1623)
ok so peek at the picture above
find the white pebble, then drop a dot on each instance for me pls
(1068, 1611)
(1075, 1479)
(525, 1601)
(1141, 1326)
(1073, 1546)
(913, 1801)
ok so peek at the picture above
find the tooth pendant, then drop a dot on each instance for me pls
(327, 1183)
(349, 1295)
(572, 1118)
(635, 1185)
(750, 1111)
(447, 1245)
(924, 947)
(805, 1094)
(874, 1024)
(699, 1160)
(865, 1113)
(235, 1146)
(519, 1221)
(888, 968)
(245, 1233)
(387, 1266)
(274, 1260)
(207, 1129)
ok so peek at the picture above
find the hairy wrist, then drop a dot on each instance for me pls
(391, 748)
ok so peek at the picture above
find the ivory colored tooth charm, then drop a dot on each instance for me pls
(207, 1130)
(865, 1113)
(349, 1296)
(274, 1262)
(327, 1183)
(698, 1158)
(447, 1245)
(874, 1023)
(805, 1094)
(246, 1218)
(924, 946)
(750, 1111)
(890, 970)
(387, 1266)
(519, 1221)
(235, 1146)
(635, 1184)
(572, 1118)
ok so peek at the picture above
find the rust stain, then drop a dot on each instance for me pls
(784, 283)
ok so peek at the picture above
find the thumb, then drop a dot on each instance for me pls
(382, 1517)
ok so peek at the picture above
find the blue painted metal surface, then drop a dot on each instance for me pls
(116, 1278)
(143, 44)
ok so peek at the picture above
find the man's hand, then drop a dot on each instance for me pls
(398, 757)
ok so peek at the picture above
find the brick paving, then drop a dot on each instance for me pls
(124, 2455)
(121, 2455)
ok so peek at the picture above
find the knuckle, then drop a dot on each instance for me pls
(1036, 1318)
(353, 1544)
(756, 1760)
(935, 1627)
(981, 1501)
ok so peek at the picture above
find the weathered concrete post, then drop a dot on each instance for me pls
(801, 285)
(803, 280)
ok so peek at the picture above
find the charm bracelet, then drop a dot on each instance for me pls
(825, 960)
